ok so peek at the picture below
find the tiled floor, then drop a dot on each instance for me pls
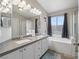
(53, 55)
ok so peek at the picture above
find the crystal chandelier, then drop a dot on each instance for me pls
(6, 6)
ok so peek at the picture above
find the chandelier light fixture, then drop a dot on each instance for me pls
(35, 11)
(23, 6)
(6, 6)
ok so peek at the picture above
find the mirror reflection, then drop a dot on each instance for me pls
(24, 19)
(18, 18)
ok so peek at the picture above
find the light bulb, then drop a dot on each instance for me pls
(39, 12)
(27, 7)
(6, 10)
(22, 4)
(3, 3)
(9, 6)
(35, 9)
(20, 9)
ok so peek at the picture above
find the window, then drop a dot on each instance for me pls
(57, 24)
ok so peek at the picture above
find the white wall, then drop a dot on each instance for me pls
(5, 34)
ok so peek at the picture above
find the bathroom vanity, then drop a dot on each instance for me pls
(34, 48)
(22, 23)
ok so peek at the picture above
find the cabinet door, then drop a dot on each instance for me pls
(44, 46)
(4, 57)
(13, 55)
(37, 49)
(28, 52)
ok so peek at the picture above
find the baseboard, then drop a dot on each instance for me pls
(43, 54)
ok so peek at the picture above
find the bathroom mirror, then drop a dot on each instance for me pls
(23, 22)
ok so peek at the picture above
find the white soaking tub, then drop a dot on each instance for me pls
(61, 45)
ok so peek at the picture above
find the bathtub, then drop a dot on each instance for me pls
(62, 45)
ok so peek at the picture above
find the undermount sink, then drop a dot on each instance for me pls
(23, 41)
(41, 36)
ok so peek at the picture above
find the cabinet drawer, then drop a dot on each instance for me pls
(44, 46)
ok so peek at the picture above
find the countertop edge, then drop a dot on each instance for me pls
(12, 50)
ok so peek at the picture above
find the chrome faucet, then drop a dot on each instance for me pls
(21, 37)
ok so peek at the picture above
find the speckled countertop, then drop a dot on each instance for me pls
(11, 45)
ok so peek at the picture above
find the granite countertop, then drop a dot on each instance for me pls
(11, 45)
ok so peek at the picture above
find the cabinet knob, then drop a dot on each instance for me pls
(24, 49)
(21, 51)
(38, 47)
(39, 55)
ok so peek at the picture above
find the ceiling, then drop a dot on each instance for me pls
(57, 5)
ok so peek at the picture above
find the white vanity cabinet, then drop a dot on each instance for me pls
(44, 45)
(32, 51)
(37, 49)
(3, 57)
(40, 48)
(14, 55)
(28, 52)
